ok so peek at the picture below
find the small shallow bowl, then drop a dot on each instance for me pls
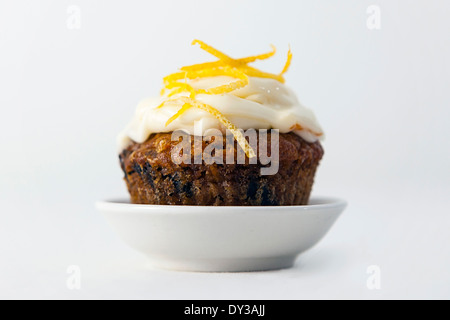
(222, 239)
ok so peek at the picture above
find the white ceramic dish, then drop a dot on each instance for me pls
(222, 239)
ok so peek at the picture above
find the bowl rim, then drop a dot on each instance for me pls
(322, 203)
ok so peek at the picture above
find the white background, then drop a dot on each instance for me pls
(382, 97)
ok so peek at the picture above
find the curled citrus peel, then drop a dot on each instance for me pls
(183, 109)
(288, 62)
(189, 103)
(225, 66)
(222, 56)
(300, 128)
(263, 56)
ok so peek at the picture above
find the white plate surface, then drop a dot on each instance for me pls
(222, 239)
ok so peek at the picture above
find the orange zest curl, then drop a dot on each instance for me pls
(183, 109)
(253, 72)
(224, 66)
(189, 103)
(288, 62)
(201, 66)
(227, 71)
(263, 56)
(213, 51)
(300, 128)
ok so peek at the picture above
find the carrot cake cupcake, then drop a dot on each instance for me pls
(222, 133)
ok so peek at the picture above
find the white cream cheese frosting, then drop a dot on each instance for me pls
(263, 103)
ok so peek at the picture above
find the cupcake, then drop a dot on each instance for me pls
(222, 133)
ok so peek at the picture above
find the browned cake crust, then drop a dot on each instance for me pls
(153, 178)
